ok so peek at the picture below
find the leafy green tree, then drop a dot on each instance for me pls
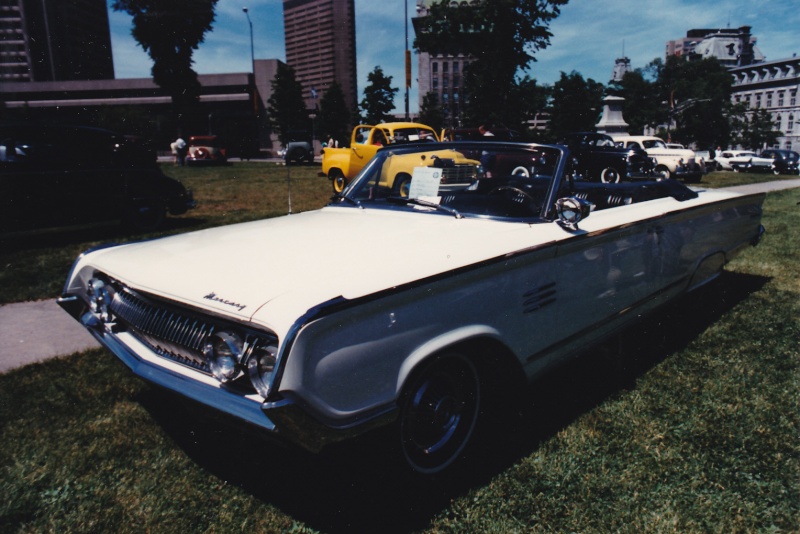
(528, 99)
(334, 115)
(378, 97)
(170, 32)
(642, 105)
(576, 104)
(286, 107)
(430, 112)
(502, 36)
(699, 96)
(692, 98)
(758, 130)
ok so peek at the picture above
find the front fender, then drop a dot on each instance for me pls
(440, 343)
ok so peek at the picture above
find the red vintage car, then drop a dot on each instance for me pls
(206, 150)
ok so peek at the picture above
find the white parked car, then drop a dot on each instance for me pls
(725, 158)
(671, 161)
(443, 299)
(751, 161)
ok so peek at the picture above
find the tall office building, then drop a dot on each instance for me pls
(55, 40)
(321, 47)
(442, 74)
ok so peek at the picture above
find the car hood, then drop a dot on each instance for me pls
(282, 267)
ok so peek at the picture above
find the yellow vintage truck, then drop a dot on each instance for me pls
(340, 165)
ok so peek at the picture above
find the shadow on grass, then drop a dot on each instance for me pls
(354, 487)
(105, 233)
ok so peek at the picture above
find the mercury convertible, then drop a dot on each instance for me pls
(441, 297)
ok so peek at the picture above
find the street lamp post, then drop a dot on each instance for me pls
(252, 52)
(407, 58)
(252, 66)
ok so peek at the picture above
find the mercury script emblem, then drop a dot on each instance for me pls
(215, 298)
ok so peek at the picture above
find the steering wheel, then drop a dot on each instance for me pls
(515, 190)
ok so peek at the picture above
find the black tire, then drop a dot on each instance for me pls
(610, 175)
(401, 185)
(338, 181)
(438, 412)
(145, 216)
(664, 172)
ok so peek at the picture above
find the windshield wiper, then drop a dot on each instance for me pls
(341, 196)
(419, 202)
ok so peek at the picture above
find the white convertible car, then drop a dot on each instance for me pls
(401, 310)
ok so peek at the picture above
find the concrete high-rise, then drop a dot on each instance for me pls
(442, 73)
(321, 47)
(54, 40)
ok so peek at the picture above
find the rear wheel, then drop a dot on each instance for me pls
(610, 175)
(338, 181)
(439, 412)
(145, 216)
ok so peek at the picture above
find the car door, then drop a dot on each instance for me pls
(362, 150)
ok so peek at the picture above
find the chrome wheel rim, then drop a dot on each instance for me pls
(440, 413)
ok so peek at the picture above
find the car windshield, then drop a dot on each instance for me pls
(654, 143)
(464, 179)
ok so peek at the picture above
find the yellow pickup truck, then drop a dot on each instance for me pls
(340, 165)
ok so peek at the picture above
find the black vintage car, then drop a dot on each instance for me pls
(595, 157)
(55, 175)
(783, 161)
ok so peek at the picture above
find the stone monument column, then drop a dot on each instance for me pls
(611, 122)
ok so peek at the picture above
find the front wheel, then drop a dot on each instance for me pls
(402, 185)
(439, 412)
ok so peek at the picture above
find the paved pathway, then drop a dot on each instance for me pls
(36, 331)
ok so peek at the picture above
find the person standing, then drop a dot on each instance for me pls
(178, 148)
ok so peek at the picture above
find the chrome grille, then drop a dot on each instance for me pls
(173, 334)
(463, 173)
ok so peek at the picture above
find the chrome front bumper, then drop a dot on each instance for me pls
(284, 419)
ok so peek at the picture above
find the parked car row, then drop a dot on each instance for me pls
(772, 160)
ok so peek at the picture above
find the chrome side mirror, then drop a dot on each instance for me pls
(571, 211)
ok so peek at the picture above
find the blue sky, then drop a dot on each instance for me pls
(587, 37)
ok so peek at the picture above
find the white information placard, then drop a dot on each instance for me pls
(425, 182)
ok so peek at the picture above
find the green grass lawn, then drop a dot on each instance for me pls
(689, 424)
(35, 267)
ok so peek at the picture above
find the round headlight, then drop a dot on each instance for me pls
(260, 367)
(99, 299)
(222, 351)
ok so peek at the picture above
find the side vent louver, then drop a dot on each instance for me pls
(539, 297)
